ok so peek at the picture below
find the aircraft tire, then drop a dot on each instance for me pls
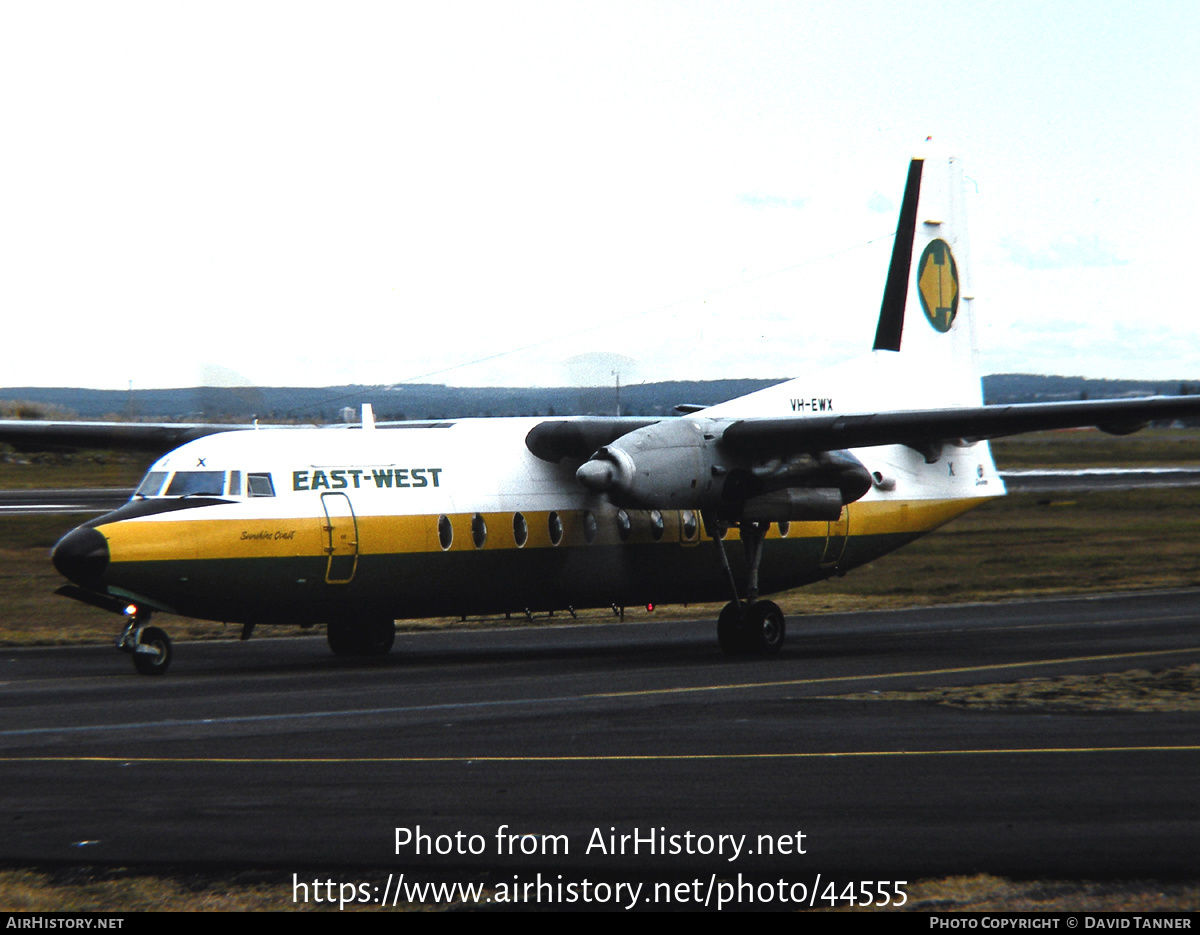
(765, 628)
(731, 633)
(157, 662)
(341, 637)
(378, 637)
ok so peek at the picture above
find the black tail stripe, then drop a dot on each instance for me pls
(891, 312)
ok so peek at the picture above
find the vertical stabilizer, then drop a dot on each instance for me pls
(924, 352)
(925, 320)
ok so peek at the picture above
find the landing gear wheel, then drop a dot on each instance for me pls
(360, 637)
(758, 628)
(731, 634)
(342, 638)
(152, 654)
(378, 637)
(764, 628)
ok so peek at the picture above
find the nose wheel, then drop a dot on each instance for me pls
(149, 646)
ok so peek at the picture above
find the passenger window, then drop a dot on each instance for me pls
(445, 532)
(478, 530)
(624, 525)
(555, 527)
(520, 530)
(259, 485)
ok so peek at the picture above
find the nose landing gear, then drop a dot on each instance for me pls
(149, 646)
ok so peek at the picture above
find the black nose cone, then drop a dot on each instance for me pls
(81, 556)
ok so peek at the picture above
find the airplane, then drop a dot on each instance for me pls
(357, 527)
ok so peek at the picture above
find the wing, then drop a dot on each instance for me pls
(926, 429)
(157, 437)
(802, 468)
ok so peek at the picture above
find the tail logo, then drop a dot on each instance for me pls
(937, 284)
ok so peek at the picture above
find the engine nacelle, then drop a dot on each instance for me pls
(674, 464)
(794, 505)
(680, 464)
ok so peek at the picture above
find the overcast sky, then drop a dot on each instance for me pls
(506, 193)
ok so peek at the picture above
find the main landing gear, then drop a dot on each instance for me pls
(751, 626)
(751, 629)
(150, 647)
(372, 637)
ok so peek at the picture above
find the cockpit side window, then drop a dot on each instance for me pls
(259, 485)
(197, 484)
(151, 485)
(235, 483)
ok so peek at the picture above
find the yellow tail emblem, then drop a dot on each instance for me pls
(937, 284)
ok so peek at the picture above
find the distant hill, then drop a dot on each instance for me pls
(406, 401)
(434, 401)
(1029, 388)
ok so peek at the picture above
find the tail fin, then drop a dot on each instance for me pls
(924, 355)
(926, 317)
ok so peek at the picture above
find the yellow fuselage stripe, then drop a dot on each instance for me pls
(191, 536)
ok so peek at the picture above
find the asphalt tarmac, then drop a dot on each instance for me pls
(609, 749)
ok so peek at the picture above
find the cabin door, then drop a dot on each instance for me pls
(341, 538)
(835, 541)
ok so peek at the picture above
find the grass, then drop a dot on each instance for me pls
(91, 889)
(1078, 448)
(73, 469)
(995, 894)
(1031, 546)
(86, 890)
(1141, 690)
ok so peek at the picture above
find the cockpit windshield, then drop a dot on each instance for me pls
(197, 484)
(205, 484)
(151, 485)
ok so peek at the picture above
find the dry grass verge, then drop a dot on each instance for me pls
(119, 890)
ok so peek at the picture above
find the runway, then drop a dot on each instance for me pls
(62, 500)
(275, 753)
